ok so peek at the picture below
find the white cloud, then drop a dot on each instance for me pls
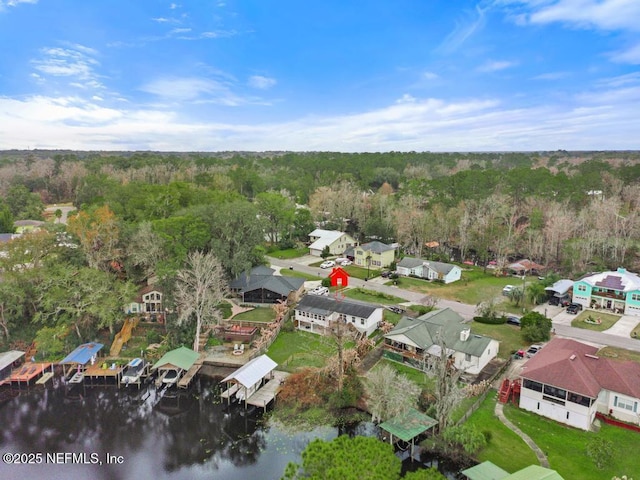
(474, 21)
(430, 76)
(182, 89)
(630, 55)
(261, 82)
(602, 118)
(600, 14)
(14, 3)
(495, 65)
(75, 61)
(551, 76)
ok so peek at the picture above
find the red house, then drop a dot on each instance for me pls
(339, 278)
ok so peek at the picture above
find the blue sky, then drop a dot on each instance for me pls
(339, 75)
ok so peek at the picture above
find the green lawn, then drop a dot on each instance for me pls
(606, 320)
(508, 335)
(289, 253)
(361, 273)
(372, 296)
(293, 350)
(259, 314)
(474, 287)
(565, 447)
(505, 448)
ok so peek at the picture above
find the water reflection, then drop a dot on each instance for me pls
(165, 434)
(160, 435)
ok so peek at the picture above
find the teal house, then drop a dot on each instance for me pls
(614, 292)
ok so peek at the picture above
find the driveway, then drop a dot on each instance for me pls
(624, 326)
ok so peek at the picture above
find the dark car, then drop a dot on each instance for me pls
(574, 308)
(385, 274)
(513, 320)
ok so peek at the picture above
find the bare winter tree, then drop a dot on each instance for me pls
(389, 393)
(447, 391)
(145, 249)
(200, 287)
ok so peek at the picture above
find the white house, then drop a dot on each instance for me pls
(445, 272)
(567, 382)
(412, 340)
(337, 242)
(315, 314)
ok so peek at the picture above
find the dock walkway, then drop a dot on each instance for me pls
(265, 394)
(186, 379)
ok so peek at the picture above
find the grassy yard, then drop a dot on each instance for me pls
(619, 354)
(289, 253)
(361, 273)
(565, 447)
(508, 335)
(365, 295)
(606, 320)
(259, 314)
(474, 287)
(293, 350)
(504, 448)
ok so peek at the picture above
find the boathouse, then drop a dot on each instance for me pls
(173, 364)
(78, 359)
(256, 383)
(8, 361)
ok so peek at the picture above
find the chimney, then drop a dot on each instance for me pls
(622, 270)
(464, 334)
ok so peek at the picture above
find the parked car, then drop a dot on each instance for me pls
(533, 349)
(395, 309)
(319, 291)
(507, 290)
(574, 308)
(558, 301)
(385, 274)
(346, 262)
(328, 264)
(513, 320)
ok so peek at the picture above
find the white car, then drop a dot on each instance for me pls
(507, 289)
(319, 291)
(328, 264)
(346, 262)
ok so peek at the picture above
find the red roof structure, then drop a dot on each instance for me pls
(574, 366)
(339, 278)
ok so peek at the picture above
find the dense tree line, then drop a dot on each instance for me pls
(139, 215)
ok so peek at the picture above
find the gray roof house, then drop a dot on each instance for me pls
(316, 313)
(412, 339)
(445, 272)
(260, 285)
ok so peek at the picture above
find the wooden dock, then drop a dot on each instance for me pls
(44, 378)
(230, 392)
(265, 394)
(186, 379)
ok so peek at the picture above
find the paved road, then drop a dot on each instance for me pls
(561, 320)
(465, 310)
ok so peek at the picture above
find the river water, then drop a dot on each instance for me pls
(111, 434)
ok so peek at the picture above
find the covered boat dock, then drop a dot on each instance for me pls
(8, 361)
(74, 365)
(179, 360)
(256, 383)
(407, 426)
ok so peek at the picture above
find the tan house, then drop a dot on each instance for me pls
(376, 255)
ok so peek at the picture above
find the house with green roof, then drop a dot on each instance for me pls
(489, 471)
(413, 340)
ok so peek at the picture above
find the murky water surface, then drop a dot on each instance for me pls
(109, 433)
